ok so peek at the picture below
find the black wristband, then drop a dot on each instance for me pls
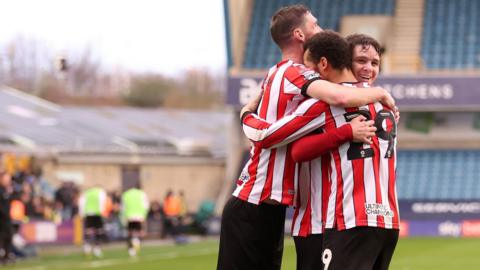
(306, 85)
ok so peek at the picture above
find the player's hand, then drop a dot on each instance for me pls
(362, 130)
(252, 105)
(396, 112)
(388, 100)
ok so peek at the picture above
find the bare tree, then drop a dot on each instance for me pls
(199, 89)
(23, 62)
(82, 73)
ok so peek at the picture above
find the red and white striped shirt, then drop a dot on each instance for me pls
(363, 191)
(313, 181)
(312, 188)
(270, 173)
(362, 187)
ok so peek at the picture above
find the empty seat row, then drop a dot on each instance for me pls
(261, 51)
(438, 174)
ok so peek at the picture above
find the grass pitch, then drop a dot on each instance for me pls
(411, 253)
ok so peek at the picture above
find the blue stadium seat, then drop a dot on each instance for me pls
(438, 175)
(451, 30)
(261, 51)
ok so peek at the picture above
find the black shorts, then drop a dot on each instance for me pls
(309, 251)
(134, 226)
(6, 234)
(251, 236)
(93, 222)
(361, 248)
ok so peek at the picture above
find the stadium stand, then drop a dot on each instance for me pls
(438, 175)
(38, 124)
(261, 52)
(450, 34)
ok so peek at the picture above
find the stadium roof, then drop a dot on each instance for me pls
(31, 124)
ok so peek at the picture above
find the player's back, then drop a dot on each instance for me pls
(269, 173)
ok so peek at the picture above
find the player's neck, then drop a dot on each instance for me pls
(344, 75)
(294, 53)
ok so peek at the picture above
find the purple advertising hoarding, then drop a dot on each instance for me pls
(48, 232)
(411, 93)
(435, 228)
(439, 210)
(433, 92)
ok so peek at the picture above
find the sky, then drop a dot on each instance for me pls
(167, 36)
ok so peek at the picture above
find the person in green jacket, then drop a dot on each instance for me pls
(134, 212)
(92, 206)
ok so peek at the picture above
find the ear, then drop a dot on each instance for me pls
(323, 64)
(298, 34)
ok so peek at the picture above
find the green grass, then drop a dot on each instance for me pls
(411, 253)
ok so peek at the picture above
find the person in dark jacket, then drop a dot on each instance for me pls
(6, 232)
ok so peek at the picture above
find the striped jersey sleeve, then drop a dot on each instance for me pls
(309, 116)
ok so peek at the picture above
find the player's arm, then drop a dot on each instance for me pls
(344, 96)
(309, 116)
(313, 146)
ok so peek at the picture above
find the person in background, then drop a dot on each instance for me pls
(171, 209)
(6, 233)
(183, 207)
(155, 219)
(134, 210)
(92, 207)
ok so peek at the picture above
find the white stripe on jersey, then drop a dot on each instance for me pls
(332, 197)
(278, 174)
(347, 176)
(298, 222)
(273, 101)
(369, 183)
(395, 186)
(316, 183)
(309, 208)
(304, 191)
(237, 190)
(295, 182)
(290, 88)
(265, 82)
(261, 176)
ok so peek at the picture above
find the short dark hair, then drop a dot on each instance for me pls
(332, 46)
(365, 41)
(284, 21)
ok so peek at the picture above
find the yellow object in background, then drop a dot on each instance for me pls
(77, 230)
(8, 163)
